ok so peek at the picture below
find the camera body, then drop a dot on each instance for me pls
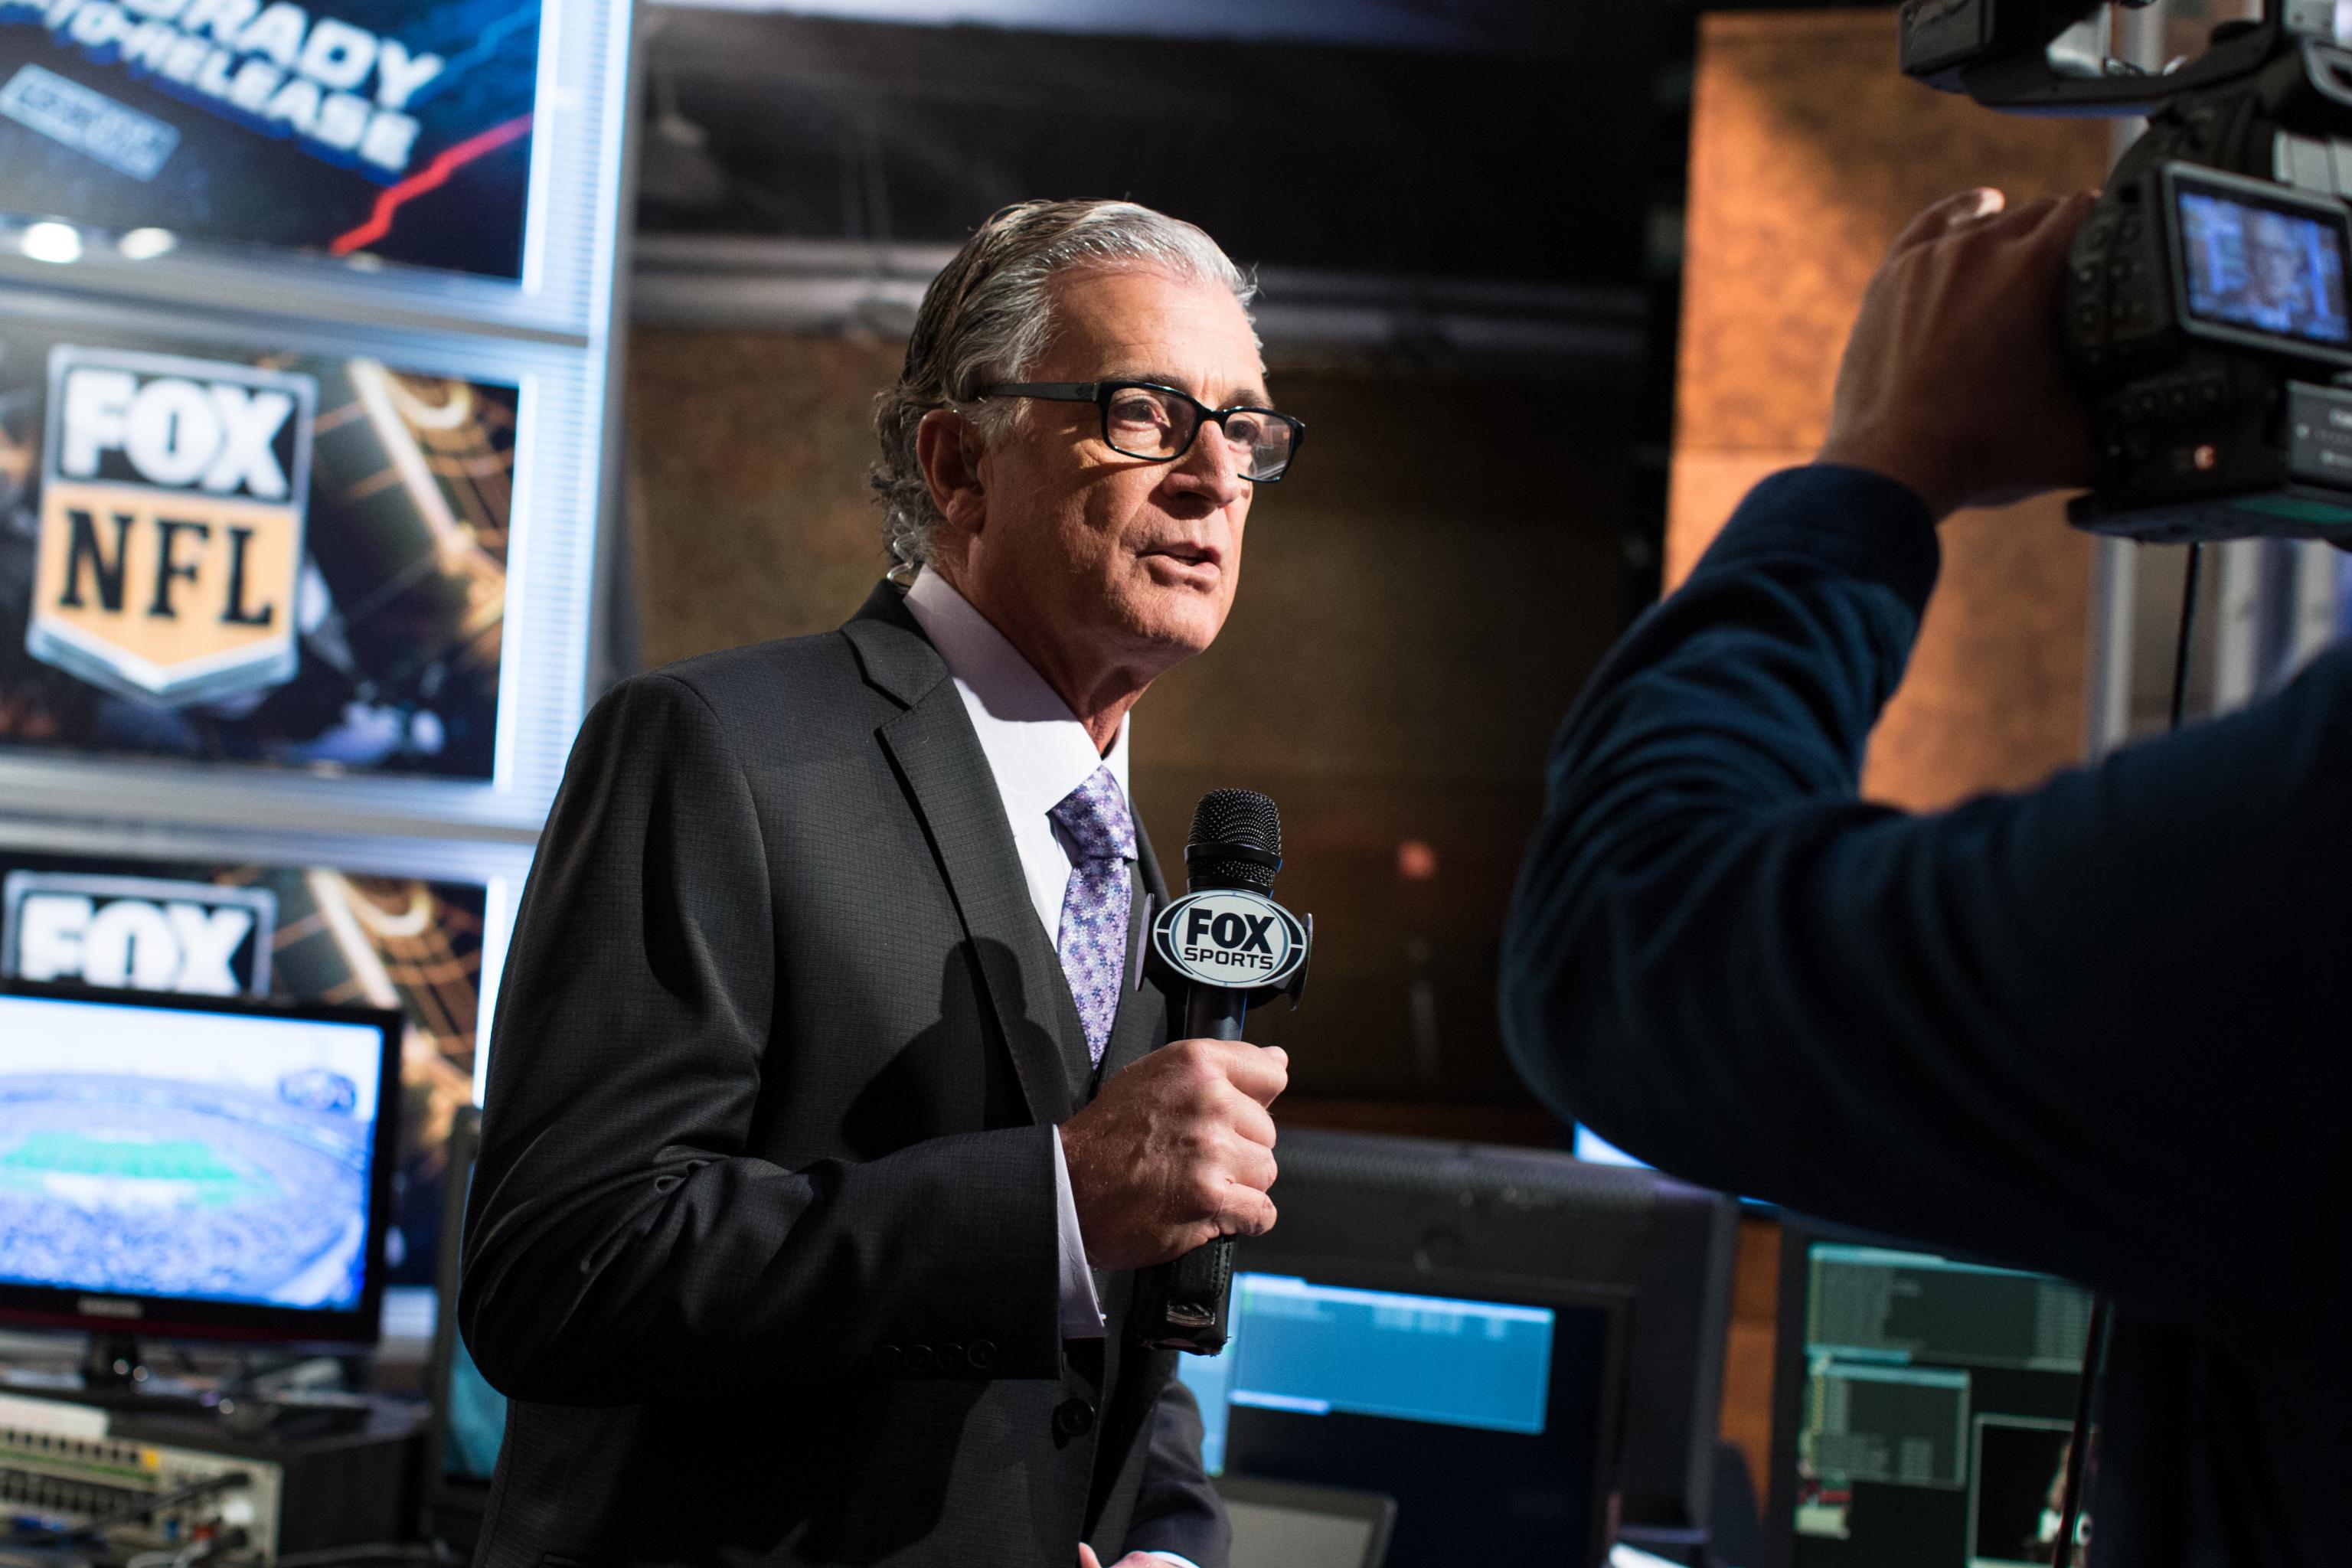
(2204, 316)
(2204, 312)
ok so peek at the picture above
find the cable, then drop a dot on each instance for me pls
(2180, 651)
(2078, 1445)
(2095, 1342)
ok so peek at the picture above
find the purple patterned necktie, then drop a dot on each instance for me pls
(1093, 942)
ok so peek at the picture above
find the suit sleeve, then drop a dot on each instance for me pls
(2079, 1028)
(1178, 1510)
(621, 1244)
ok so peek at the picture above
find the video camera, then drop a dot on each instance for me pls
(2205, 309)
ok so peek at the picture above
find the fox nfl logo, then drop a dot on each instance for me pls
(172, 496)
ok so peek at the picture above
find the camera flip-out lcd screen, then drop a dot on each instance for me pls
(2269, 268)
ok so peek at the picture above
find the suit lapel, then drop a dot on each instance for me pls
(952, 790)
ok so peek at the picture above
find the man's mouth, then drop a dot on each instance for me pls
(1188, 553)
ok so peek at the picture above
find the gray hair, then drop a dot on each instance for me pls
(988, 317)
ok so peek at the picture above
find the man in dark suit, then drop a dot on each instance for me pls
(826, 1123)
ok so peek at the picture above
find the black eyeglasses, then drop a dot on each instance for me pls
(1159, 424)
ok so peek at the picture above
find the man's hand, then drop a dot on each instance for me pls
(1087, 1559)
(1953, 381)
(1175, 1151)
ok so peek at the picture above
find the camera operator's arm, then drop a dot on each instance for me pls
(2025, 1027)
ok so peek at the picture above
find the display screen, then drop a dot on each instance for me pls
(1594, 1150)
(393, 129)
(476, 1417)
(200, 1156)
(2269, 270)
(272, 558)
(1937, 1404)
(1483, 1419)
(290, 934)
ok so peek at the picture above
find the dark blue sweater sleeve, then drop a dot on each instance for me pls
(2084, 1029)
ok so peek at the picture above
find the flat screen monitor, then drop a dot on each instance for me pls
(394, 130)
(1923, 1405)
(1277, 1525)
(418, 928)
(1485, 1406)
(204, 1167)
(1429, 1206)
(234, 555)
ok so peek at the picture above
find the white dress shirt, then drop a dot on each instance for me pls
(1039, 753)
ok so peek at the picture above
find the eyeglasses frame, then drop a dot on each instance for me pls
(1100, 392)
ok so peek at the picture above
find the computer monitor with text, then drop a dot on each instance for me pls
(1487, 1407)
(1924, 1406)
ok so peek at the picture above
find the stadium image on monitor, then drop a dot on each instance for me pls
(396, 130)
(227, 556)
(2266, 269)
(294, 933)
(188, 1155)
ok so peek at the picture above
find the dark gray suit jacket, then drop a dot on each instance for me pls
(762, 1240)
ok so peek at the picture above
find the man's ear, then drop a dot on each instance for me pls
(948, 450)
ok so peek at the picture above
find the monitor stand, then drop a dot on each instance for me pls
(306, 1396)
(115, 1373)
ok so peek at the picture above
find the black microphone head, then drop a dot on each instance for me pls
(1236, 841)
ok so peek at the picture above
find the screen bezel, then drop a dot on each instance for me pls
(554, 577)
(1502, 1289)
(1466, 1205)
(58, 1307)
(2200, 181)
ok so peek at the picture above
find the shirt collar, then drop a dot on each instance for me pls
(1034, 744)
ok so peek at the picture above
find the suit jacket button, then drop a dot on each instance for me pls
(1074, 1418)
(951, 1357)
(889, 1358)
(982, 1355)
(922, 1358)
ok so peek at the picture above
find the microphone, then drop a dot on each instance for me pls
(1227, 946)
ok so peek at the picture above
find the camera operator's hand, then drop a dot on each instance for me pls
(1175, 1151)
(1952, 382)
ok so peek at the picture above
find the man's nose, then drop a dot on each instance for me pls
(1212, 468)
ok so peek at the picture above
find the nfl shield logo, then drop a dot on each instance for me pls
(172, 495)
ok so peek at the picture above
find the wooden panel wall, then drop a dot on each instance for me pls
(1809, 153)
(748, 508)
